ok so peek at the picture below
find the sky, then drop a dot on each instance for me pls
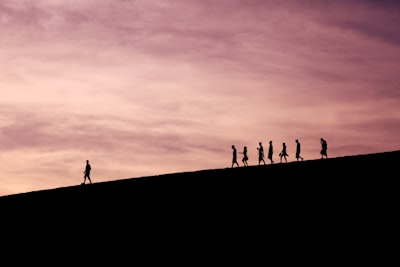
(151, 87)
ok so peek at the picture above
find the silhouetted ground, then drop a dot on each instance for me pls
(335, 205)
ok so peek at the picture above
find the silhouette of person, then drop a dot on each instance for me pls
(270, 152)
(87, 170)
(260, 153)
(245, 158)
(234, 156)
(298, 150)
(324, 148)
(283, 153)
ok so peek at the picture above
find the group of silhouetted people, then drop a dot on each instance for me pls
(282, 155)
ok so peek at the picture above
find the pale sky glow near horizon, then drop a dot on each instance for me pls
(150, 87)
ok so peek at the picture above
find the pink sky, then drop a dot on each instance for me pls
(151, 87)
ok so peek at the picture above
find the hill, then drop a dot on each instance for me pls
(351, 200)
(325, 179)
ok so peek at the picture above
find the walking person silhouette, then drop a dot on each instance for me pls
(234, 156)
(270, 152)
(87, 170)
(245, 158)
(283, 153)
(260, 153)
(324, 148)
(298, 150)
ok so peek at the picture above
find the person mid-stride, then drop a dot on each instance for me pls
(270, 151)
(298, 157)
(234, 156)
(245, 157)
(283, 153)
(324, 148)
(260, 154)
(87, 170)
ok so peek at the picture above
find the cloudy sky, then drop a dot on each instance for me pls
(149, 87)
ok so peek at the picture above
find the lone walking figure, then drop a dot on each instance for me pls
(87, 170)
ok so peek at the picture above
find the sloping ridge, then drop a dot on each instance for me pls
(331, 209)
(349, 177)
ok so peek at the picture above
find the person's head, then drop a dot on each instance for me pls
(233, 146)
(297, 141)
(270, 142)
(87, 161)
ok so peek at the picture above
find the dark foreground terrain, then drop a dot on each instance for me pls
(337, 206)
(317, 183)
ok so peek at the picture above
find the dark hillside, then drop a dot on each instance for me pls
(329, 181)
(351, 198)
(323, 183)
